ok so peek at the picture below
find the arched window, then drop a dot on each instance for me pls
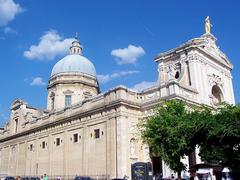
(16, 125)
(217, 95)
(68, 100)
(177, 75)
(52, 97)
(52, 102)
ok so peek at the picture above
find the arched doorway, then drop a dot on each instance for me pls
(157, 165)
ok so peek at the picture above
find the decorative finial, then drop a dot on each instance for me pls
(76, 35)
(208, 25)
(76, 47)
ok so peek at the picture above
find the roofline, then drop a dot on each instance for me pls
(186, 47)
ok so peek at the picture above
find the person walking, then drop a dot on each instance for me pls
(45, 177)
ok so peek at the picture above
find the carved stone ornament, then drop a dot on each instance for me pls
(174, 71)
(68, 92)
(215, 79)
(171, 72)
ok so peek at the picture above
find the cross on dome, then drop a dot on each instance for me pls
(76, 47)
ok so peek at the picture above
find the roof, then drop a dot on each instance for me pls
(74, 63)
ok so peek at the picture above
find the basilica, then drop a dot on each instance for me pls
(85, 132)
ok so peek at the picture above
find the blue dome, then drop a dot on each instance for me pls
(74, 63)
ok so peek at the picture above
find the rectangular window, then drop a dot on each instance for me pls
(75, 138)
(31, 147)
(68, 100)
(97, 133)
(58, 142)
(43, 144)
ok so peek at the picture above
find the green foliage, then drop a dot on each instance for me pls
(222, 142)
(176, 129)
(168, 131)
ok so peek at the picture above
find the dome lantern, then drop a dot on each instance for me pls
(76, 47)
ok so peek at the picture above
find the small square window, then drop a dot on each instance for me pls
(75, 138)
(43, 144)
(97, 133)
(58, 142)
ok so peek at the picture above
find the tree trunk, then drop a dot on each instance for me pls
(179, 175)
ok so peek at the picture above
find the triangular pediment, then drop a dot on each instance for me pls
(210, 47)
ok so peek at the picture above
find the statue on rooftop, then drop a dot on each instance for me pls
(207, 25)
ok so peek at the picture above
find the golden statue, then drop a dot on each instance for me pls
(207, 25)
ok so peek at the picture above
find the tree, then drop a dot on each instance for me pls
(176, 129)
(168, 133)
(222, 142)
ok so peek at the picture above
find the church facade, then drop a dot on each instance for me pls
(85, 132)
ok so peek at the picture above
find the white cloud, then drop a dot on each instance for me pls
(108, 77)
(38, 81)
(128, 55)
(143, 85)
(8, 10)
(51, 45)
(9, 30)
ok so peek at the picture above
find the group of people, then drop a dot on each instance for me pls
(44, 177)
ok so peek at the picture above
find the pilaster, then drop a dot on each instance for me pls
(121, 146)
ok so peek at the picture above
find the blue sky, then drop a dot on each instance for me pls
(144, 27)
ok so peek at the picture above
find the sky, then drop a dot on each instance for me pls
(121, 38)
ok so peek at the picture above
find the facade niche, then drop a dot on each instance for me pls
(133, 148)
(216, 95)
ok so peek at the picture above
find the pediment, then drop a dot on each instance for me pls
(210, 47)
(68, 92)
